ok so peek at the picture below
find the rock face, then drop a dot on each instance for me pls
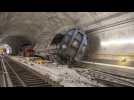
(41, 27)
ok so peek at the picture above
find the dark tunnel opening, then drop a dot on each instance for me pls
(57, 39)
(93, 46)
(17, 43)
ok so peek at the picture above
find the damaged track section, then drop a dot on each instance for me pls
(21, 76)
(105, 77)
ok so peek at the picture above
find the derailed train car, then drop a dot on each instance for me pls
(72, 47)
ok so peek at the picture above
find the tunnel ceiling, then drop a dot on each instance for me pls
(41, 27)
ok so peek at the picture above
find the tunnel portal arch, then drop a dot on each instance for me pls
(16, 42)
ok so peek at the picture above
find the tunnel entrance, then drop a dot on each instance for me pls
(17, 43)
(93, 46)
(57, 39)
(5, 49)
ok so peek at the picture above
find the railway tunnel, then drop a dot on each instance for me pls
(99, 48)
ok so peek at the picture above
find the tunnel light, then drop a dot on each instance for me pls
(64, 46)
(7, 48)
(123, 61)
(8, 51)
(117, 42)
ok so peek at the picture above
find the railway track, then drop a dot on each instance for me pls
(110, 79)
(4, 77)
(105, 77)
(20, 76)
(1, 70)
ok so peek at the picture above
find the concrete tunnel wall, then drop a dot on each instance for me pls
(114, 40)
(41, 27)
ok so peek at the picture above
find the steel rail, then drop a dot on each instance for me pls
(14, 72)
